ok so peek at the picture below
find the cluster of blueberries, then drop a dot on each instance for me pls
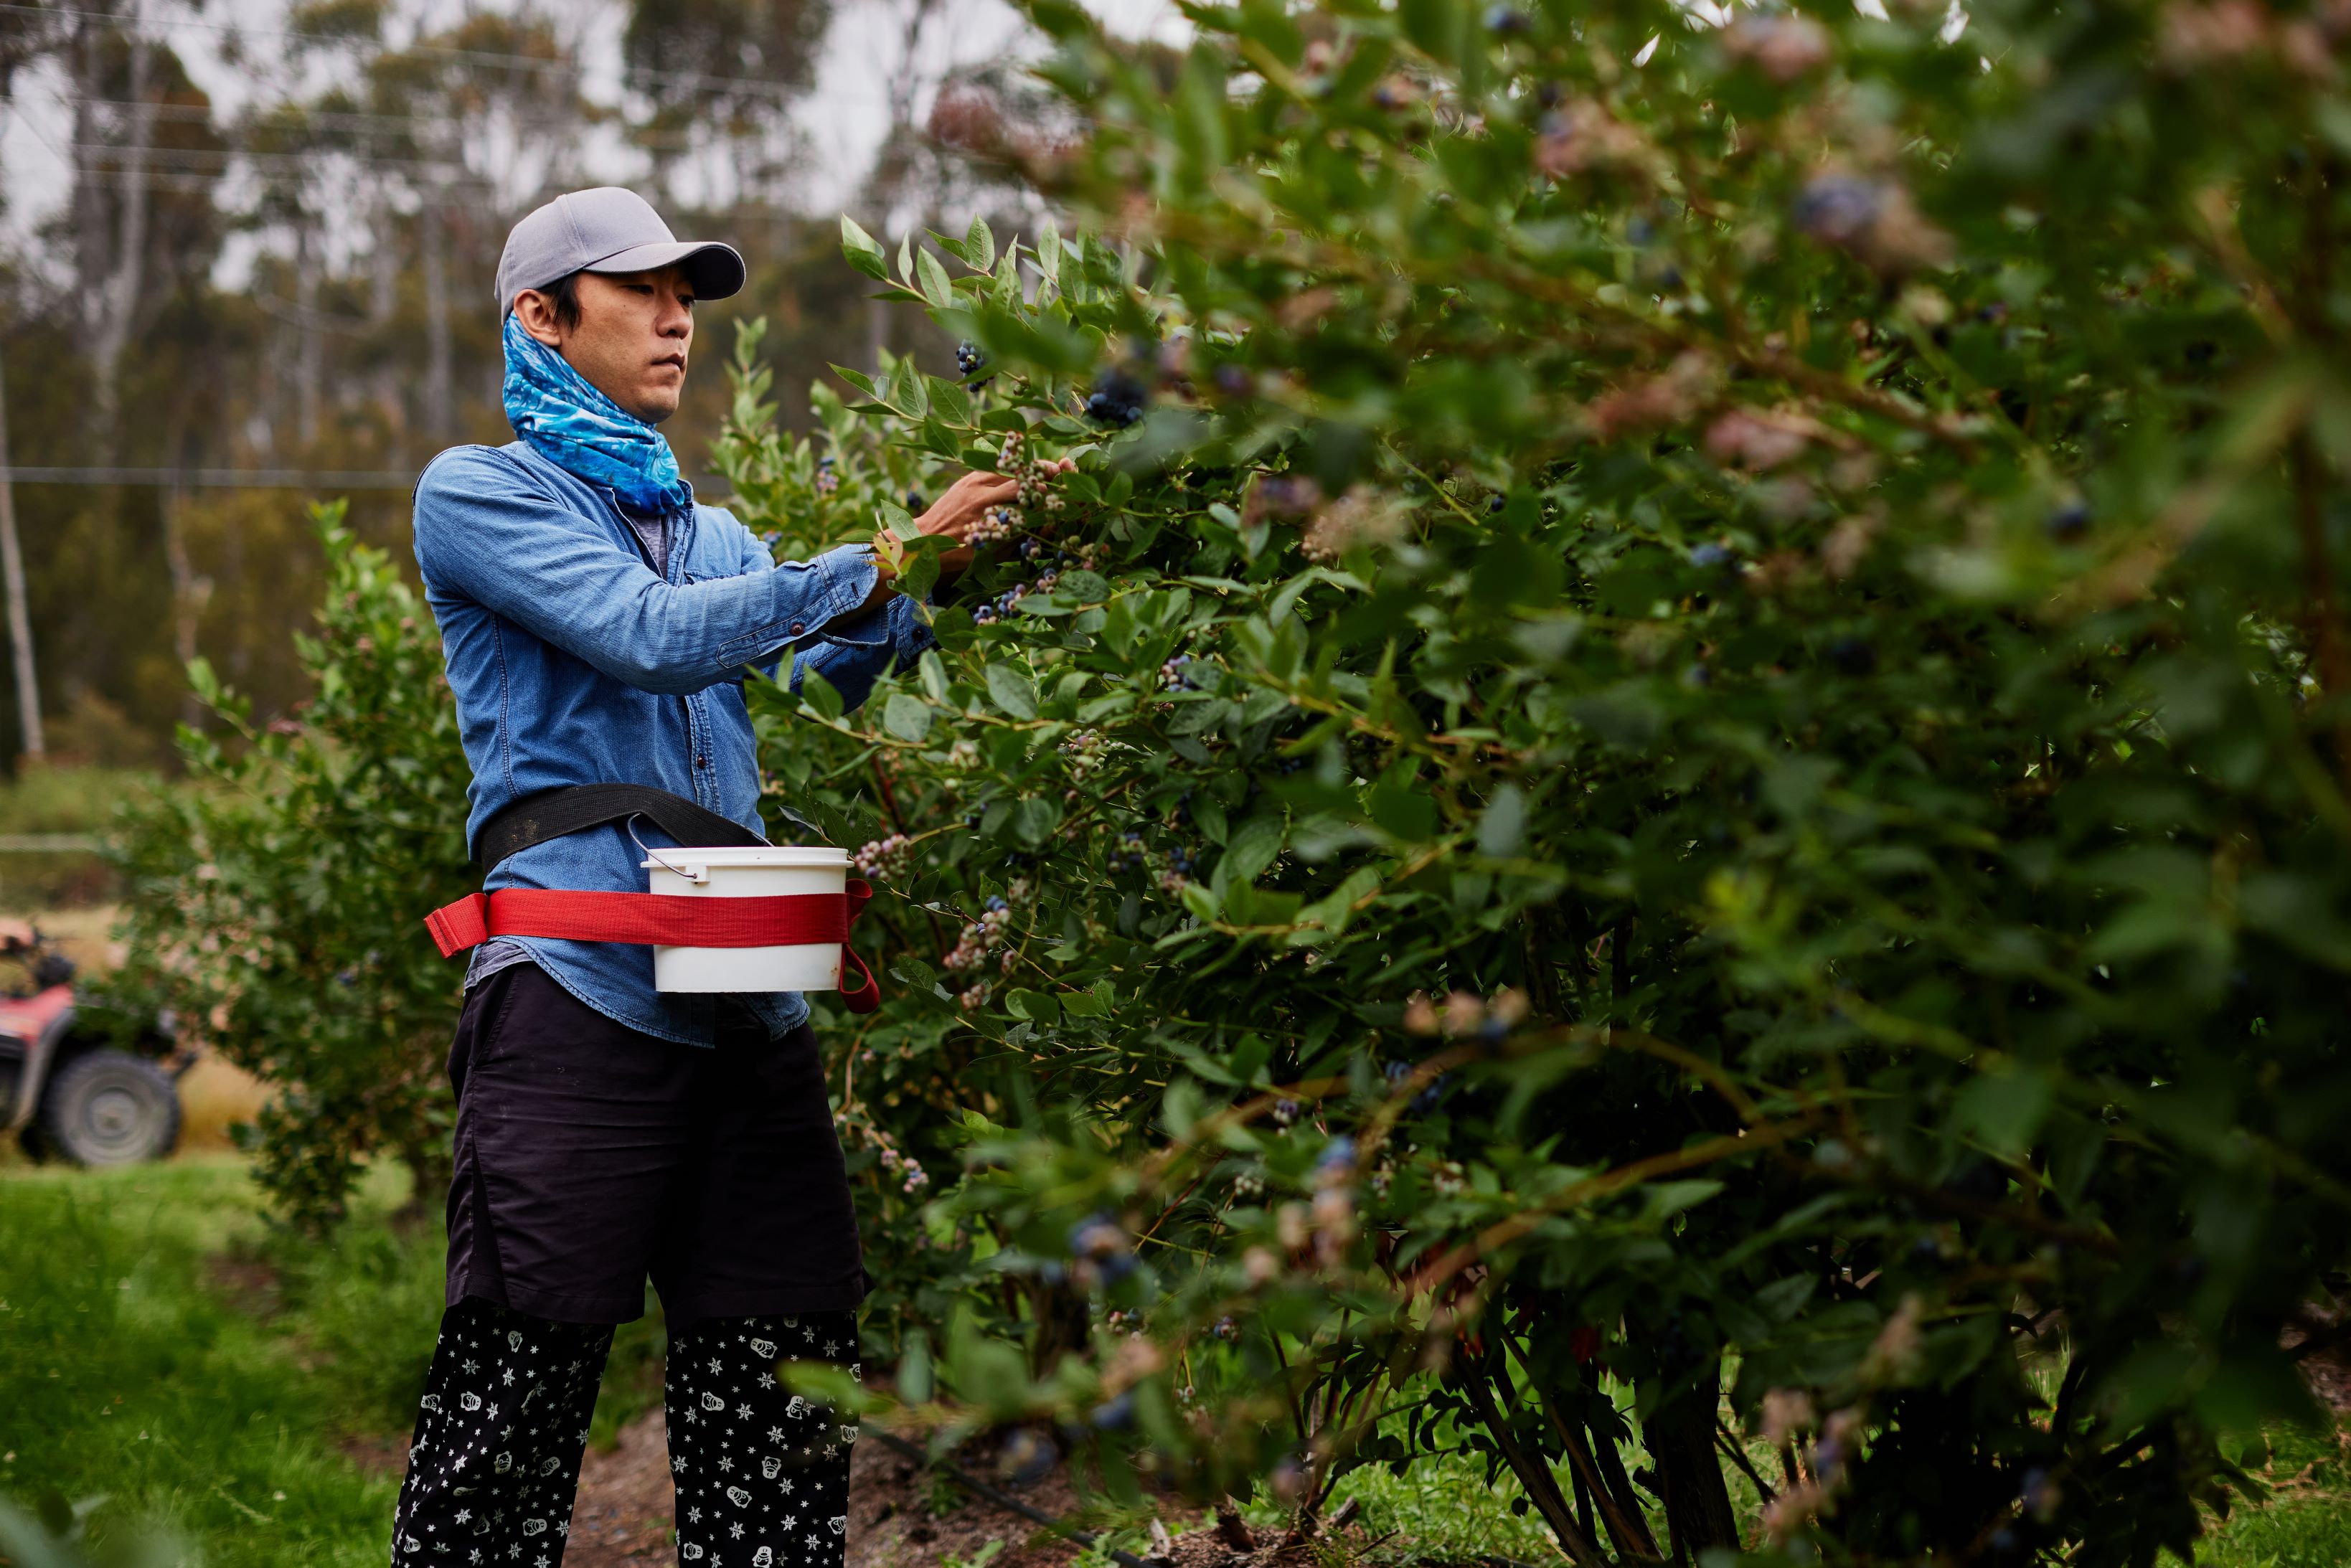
(1430, 1092)
(1117, 399)
(1173, 675)
(1130, 854)
(969, 362)
(994, 610)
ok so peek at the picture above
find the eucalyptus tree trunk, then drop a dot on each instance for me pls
(12, 574)
(110, 235)
(440, 377)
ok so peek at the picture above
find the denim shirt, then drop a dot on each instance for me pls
(574, 662)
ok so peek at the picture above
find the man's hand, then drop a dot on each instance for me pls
(953, 514)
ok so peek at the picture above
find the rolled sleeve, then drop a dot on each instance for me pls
(860, 650)
(846, 577)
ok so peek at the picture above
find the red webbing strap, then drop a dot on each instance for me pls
(667, 919)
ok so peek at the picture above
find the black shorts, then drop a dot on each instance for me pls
(591, 1156)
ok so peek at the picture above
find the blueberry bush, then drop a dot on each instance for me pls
(1668, 797)
(274, 901)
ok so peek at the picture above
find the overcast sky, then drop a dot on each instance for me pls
(843, 116)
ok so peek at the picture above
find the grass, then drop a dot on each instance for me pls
(122, 1374)
(163, 1348)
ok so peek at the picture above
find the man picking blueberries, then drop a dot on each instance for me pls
(598, 623)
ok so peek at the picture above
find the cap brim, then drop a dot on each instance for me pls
(714, 269)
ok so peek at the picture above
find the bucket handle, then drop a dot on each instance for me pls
(699, 876)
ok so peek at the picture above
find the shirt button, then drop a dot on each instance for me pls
(799, 626)
(702, 762)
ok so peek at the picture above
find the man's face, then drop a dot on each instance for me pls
(631, 338)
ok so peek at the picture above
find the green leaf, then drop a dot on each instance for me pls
(1038, 1007)
(1399, 805)
(1254, 846)
(979, 246)
(932, 672)
(820, 693)
(1011, 691)
(1503, 827)
(934, 285)
(1034, 818)
(863, 253)
(907, 717)
(906, 394)
(859, 380)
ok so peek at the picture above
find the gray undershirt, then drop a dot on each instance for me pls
(652, 529)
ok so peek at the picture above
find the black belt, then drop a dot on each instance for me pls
(568, 807)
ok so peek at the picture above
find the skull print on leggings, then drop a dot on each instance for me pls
(496, 1458)
(761, 1473)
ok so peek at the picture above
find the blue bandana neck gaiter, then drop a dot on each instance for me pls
(572, 424)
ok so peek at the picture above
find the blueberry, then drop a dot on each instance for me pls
(1853, 656)
(1709, 555)
(1234, 380)
(1117, 1415)
(1338, 1155)
(2070, 521)
(1117, 399)
(1397, 1071)
(1495, 503)
(1837, 208)
(1508, 21)
(914, 502)
(1426, 1101)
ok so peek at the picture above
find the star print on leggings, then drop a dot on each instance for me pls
(495, 1457)
(762, 1474)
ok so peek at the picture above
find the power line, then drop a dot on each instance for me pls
(306, 119)
(475, 57)
(223, 478)
(301, 162)
(246, 478)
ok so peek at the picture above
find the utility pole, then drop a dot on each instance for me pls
(11, 576)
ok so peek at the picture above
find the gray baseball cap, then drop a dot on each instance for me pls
(608, 229)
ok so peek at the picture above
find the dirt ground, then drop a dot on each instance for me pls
(894, 1518)
(621, 1519)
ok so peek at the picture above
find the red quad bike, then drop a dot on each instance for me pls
(70, 1091)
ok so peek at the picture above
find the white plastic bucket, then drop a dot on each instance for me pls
(748, 873)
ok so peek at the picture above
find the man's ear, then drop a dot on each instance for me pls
(536, 313)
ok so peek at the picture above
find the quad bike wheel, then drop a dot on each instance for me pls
(110, 1108)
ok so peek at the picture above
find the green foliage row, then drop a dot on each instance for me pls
(276, 904)
(1692, 785)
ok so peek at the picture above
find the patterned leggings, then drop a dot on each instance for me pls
(761, 1473)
